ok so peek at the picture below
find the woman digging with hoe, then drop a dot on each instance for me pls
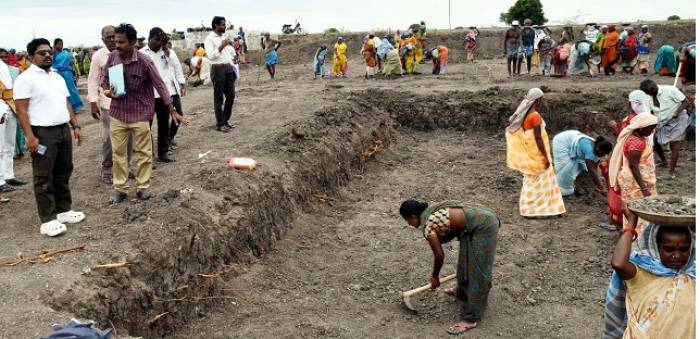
(477, 230)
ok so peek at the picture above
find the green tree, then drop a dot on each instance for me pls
(523, 9)
(673, 18)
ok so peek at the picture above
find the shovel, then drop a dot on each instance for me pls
(406, 296)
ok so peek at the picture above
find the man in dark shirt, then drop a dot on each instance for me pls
(511, 47)
(130, 113)
(528, 36)
(546, 48)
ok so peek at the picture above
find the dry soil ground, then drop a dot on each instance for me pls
(311, 245)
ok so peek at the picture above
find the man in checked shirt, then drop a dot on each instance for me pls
(131, 113)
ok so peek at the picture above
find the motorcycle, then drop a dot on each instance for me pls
(288, 29)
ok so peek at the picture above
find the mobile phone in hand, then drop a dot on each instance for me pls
(41, 149)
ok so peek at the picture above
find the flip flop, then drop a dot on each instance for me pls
(456, 330)
(3, 200)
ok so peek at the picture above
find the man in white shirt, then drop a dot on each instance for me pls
(170, 71)
(669, 106)
(8, 128)
(221, 55)
(46, 116)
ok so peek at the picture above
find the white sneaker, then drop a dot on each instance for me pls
(52, 228)
(70, 217)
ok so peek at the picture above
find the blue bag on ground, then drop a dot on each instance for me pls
(77, 330)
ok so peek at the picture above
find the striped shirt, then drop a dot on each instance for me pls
(140, 77)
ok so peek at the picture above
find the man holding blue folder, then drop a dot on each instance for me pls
(131, 109)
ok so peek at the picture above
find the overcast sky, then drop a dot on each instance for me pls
(80, 21)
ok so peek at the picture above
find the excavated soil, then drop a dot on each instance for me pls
(673, 205)
(311, 244)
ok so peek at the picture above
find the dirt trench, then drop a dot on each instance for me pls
(215, 230)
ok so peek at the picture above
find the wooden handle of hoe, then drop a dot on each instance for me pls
(427, 287)
(678, 74)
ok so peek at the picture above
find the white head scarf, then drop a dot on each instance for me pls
(640, 101)
(640, 121)
(516, 119)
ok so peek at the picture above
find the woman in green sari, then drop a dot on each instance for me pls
(477, 229)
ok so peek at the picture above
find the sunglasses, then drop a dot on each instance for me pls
(44, 52)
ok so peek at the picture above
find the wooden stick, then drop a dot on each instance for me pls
(43, 256)
(48, 254)
(114, 329)
(198, 298)
(114, 265)
(154, 319)
(208, 275)
(678, 73)
(323, 197)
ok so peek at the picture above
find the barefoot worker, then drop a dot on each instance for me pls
(439, 56)
(470, 43)
(653, 286)
(320, 61)
(575, 152)
(639, 103)
(340, 60)
(528, 153)
(665, 62)
(369, 53)
(669, 106)
(392, 64)
(270, 47)
(632, 163)
(477, 231)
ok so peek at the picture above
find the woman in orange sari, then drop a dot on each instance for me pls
(610, 42)
(528, 152)
(369, 53)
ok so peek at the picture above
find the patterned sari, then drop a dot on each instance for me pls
(477, 251)
(369, 53)
(629, 189)
(540, 195)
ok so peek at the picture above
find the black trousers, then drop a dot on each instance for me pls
(52, 171)
(163, 117)
(223, 78)
(178, 107)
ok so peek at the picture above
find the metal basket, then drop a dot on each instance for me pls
(662, 218)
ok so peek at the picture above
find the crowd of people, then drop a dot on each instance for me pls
(663, 262)
(605, 47)
(40, 98)
(390, 56)
(658, 266)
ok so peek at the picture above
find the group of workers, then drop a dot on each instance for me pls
(601, 46)
(660, 265)
(391, 55)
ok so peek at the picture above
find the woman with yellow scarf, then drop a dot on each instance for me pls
(528, 152)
